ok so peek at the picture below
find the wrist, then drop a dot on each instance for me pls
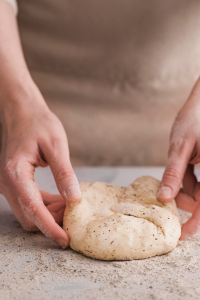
(20, 97)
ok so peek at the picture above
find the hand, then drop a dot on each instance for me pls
(33, 136)
(184, 153)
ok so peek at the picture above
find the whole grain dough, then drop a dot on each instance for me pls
(122, 223)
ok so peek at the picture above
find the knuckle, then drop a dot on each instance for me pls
(8, 174)
(171, 174)
(64, 174)
(9, 171)
(56, 142)
(177, 147)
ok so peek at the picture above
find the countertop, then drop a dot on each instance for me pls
(33, 267)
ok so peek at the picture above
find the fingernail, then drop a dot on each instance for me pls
(164, 192)
(184, 237)
(72, 193)
(62, 243)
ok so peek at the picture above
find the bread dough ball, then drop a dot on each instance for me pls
(122, 223)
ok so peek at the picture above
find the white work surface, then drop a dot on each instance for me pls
(33, 267)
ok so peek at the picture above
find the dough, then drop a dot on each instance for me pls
(122, 223)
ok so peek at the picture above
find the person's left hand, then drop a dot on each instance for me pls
(184, 153)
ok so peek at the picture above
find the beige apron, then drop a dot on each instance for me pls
(115, 72)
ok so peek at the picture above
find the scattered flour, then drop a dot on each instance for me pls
(33, 267)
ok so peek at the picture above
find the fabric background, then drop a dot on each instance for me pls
(115, 72)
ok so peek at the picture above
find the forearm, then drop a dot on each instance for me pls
(16, 84)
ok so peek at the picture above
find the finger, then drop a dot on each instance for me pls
(185, 202)
(21, 177)
(190, 184)
(179, 155)
(58, 216)
(55, 207)
(192, 225)
(57, 155)
(49, 198)
(27, 224)
(189, 181)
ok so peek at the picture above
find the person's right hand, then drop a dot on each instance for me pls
(33, 136)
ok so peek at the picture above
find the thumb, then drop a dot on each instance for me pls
(57, 156)
(179, 156)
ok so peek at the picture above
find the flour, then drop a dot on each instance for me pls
(43, 270)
